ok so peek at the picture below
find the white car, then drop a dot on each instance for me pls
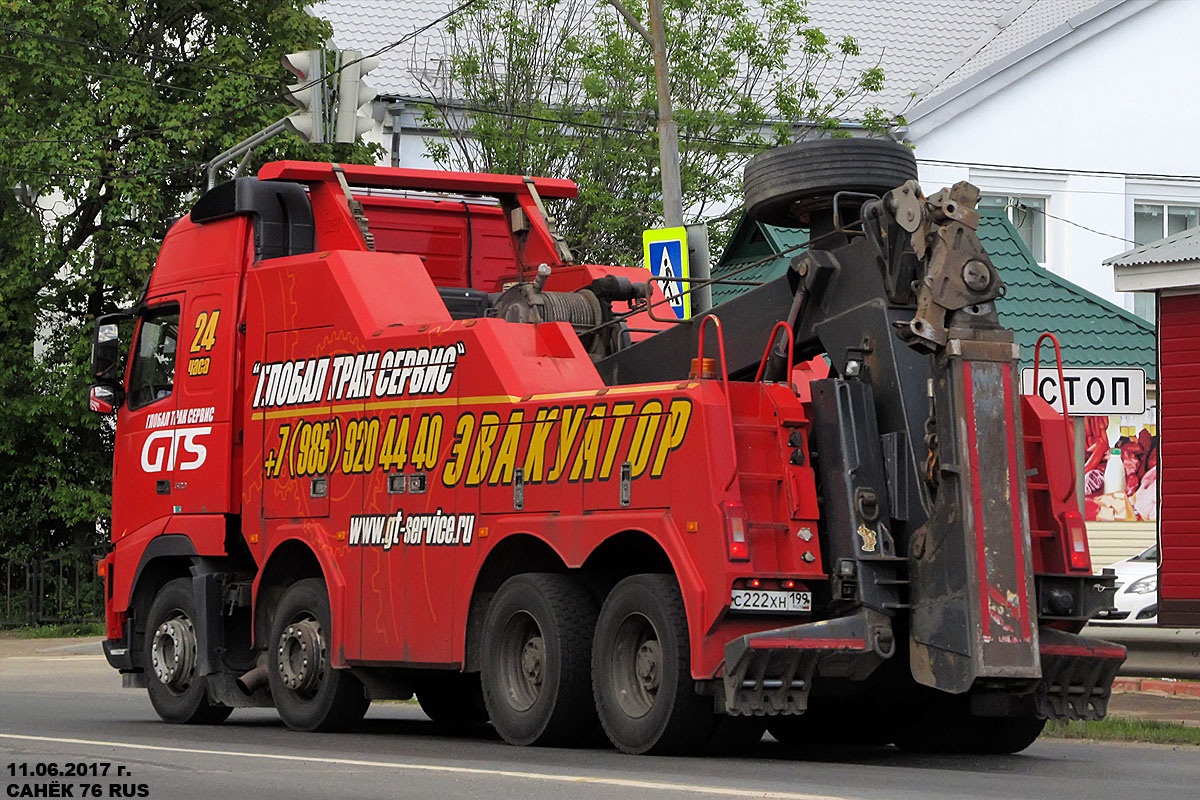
(1153, 652)
(1136, 600)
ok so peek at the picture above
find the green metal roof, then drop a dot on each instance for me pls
(750, 243)
(1092, 331)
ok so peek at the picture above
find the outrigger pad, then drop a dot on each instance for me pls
(771, 672)
(1077, 675)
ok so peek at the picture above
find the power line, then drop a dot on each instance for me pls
(67, 172)
(246, 106)
(136, 54)
(574, 123)
(752, 145)
(456, 10)
(1059, 170)
(130, 136)
(125, 78)
(747, 145)
(1044, 213)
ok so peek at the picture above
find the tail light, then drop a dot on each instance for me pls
(735, 531)
(1077, 544)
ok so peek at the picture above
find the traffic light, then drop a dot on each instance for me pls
(352, 95)
(309, 95)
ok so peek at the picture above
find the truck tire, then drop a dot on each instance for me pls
(309, 694)
(946, 725)
(641, 670)
(537, 643)
(804, 176)
(453, 698)
(176, 692)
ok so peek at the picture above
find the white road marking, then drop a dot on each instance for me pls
(53, 658)
(625, 783)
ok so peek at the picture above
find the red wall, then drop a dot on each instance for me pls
(1179, 437)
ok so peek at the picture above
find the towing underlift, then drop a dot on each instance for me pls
(948, 506)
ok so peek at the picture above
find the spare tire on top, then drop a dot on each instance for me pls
(785, 184)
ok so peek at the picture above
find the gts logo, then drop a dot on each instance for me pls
(175, 447)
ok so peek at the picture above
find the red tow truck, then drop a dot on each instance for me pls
(378, 434)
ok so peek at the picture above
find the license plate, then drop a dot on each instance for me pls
(765, 602)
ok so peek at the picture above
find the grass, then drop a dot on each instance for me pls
(1118, 729)
(63, 631)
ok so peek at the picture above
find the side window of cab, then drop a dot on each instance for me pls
(152, 371)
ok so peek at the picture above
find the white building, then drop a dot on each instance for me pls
(1090, 125)
(1080, 116)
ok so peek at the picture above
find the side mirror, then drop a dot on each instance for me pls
(106, 350)
(104, 399)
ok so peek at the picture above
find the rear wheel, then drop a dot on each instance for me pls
(309, 693)
(177, 693)
(537, 640)
(454, 698)
(641, 670)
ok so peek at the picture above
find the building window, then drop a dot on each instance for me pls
(1028, 216)
(1154, 221)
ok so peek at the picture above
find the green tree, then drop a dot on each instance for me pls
(109, 108)
(566, 88)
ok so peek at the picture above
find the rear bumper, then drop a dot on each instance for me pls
(771, 672)
(1077, 675)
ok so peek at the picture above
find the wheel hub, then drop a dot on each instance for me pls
(636, 665)
(302, 656)
(648, 658)
(174, 653)
(531, 661)
(521, 661)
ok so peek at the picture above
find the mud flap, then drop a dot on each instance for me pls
(1077, 675)
(771, 672)
(973, 614)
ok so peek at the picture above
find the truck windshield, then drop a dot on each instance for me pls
(153, 370)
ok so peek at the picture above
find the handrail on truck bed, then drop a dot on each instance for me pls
(1062, 391)
(725, 382)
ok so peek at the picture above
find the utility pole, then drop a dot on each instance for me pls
(668, 131)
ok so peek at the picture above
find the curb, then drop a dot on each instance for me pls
(1170, 688)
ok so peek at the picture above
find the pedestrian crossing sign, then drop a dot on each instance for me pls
(666, 256)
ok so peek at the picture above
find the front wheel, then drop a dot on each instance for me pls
(641, 670)
(177, 693)
(309, 693)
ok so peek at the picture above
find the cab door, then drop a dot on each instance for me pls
(148, 442)
(201, 476)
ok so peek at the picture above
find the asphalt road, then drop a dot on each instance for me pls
(60, 707)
